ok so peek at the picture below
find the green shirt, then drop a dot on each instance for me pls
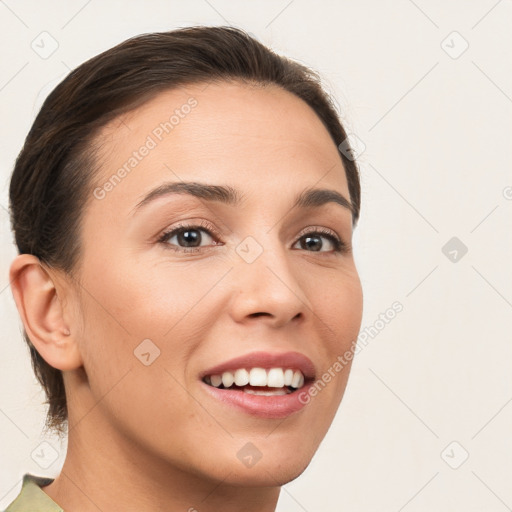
(32, 498)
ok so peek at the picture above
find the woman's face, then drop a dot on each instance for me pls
(251, 276)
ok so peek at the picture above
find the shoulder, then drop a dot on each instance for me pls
(32, 498)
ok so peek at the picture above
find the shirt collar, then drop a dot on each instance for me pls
(32, 498)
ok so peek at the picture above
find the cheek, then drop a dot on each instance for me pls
(144, 298)
(342, 309)
(137, 314)
(136, 374)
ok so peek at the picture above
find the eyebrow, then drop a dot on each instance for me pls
(308, 198)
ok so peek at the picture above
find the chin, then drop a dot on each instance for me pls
(271, 473)
(247, 466)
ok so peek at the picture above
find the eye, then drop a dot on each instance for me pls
(312, 241)
(188, 237)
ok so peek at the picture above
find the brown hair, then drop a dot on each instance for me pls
(53, 174)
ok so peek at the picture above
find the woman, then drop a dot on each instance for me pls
(185, 279)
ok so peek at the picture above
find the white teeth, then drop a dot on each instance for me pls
(258, 377)
(242, 377)
(227, 379)
(298, 379)
(273, 378)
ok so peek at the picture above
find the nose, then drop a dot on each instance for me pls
(269, 290)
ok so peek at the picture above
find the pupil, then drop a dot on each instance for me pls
(316, 245)
(190, 236)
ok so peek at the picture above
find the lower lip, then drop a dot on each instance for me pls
(277, 406)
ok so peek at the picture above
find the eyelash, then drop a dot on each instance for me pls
(339, 245)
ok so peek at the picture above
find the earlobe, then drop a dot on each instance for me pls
(42, 313)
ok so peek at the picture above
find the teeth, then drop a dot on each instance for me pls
(272, 378)
(298, 380)
(275, 378)
(266, 393)
(227, 379)
(258, 377)
(216, 380)
(242, 377)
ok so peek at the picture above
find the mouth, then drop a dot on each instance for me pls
(258, 381)
(267, 385)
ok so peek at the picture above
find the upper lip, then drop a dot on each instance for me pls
(267, 360)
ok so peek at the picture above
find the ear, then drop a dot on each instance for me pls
(42, 313)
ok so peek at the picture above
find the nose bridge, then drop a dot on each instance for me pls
(267, 282)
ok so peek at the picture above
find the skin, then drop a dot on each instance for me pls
(149, 437)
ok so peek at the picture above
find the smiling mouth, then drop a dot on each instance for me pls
(258, 381)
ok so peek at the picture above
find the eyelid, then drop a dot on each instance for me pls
(320, 229)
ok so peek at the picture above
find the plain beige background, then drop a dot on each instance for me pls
(426, 87)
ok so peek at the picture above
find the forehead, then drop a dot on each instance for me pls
(248, 136)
